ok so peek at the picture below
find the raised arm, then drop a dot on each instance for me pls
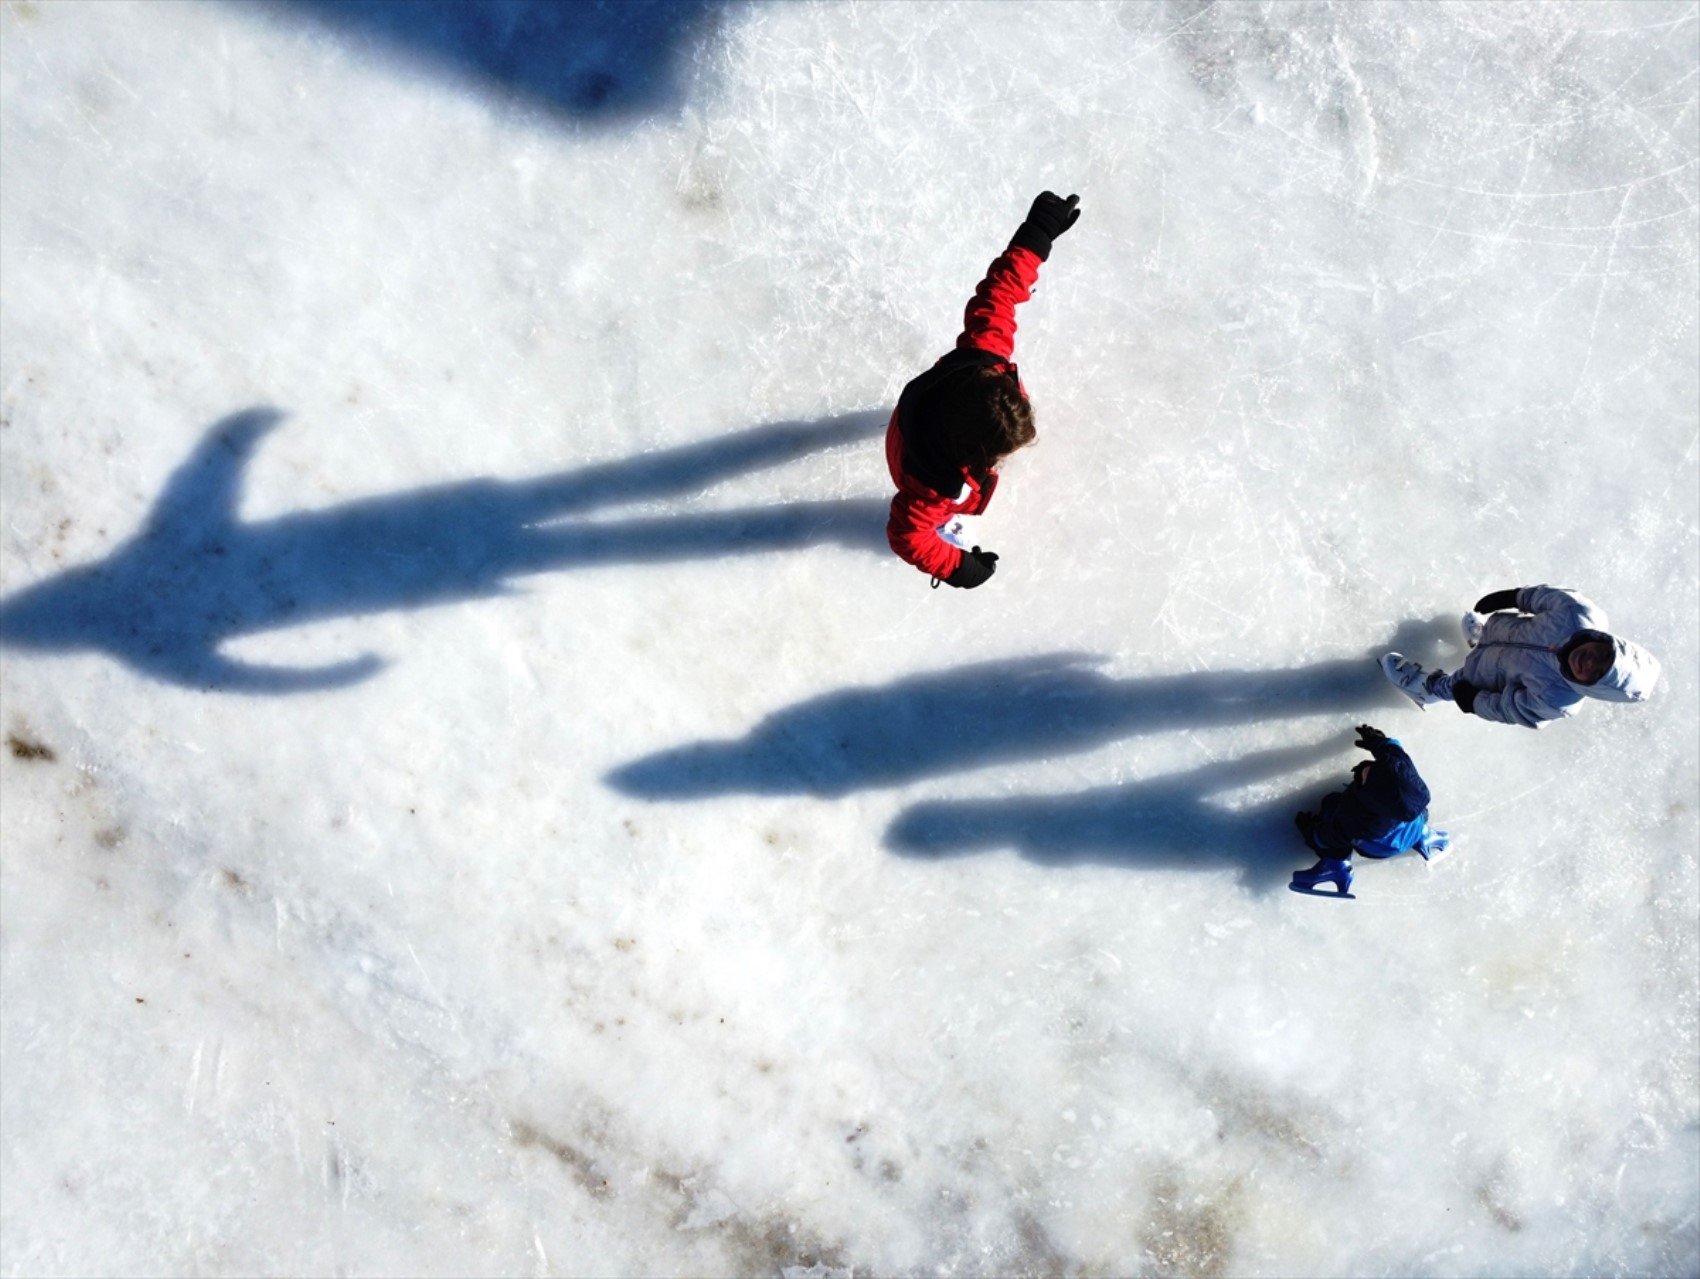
(1494, 601)
(1582, 612)
(1388, 751)
(1550, 599)
(989, 324)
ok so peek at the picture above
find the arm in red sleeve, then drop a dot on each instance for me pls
(913, 531)
(989, 324)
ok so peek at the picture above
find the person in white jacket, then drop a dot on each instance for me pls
(1540, 653)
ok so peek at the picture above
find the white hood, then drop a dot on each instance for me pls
(1633, 673)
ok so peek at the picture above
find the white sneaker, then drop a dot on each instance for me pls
(1471, 624)
(1409, 678)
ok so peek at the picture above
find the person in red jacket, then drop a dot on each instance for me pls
(955, 423)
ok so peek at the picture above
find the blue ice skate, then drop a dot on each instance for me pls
(1330, 870)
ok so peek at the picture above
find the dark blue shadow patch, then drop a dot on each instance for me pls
(1172, 822)
(594, 61)
(987, 713)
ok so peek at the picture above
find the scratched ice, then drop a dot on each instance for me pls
(480, 798)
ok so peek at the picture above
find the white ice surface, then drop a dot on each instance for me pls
(1372, 308)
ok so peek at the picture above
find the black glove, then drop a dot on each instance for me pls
(1464, 693)
(976, 567)
(1370, 739)
(1049, 217)
(1493, 601)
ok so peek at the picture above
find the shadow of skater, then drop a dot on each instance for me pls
(1168, 822)
(987, 713)
(588, 62)
(196, 575)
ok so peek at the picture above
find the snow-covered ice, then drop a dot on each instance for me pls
(598, 855)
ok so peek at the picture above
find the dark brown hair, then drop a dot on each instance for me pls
(984, 418)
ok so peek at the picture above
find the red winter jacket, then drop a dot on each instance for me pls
(931, 489)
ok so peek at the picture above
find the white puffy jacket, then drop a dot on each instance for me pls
(1516, 664)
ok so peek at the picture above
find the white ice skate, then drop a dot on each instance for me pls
(1409, 678)
(1471, 624)
(1435, 846)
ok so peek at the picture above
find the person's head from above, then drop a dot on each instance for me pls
(986, 418)
(1588, 661)
(1390, 789)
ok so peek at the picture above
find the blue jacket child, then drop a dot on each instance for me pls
(1382, 812)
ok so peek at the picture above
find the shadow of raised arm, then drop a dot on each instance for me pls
(196, 577)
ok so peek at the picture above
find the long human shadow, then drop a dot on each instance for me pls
(1171, 822)
(197, 576)
(988, 713)
(588, 63)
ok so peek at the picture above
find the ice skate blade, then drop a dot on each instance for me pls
(1318, 892)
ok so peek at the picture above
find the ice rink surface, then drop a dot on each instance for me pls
(481, 799)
